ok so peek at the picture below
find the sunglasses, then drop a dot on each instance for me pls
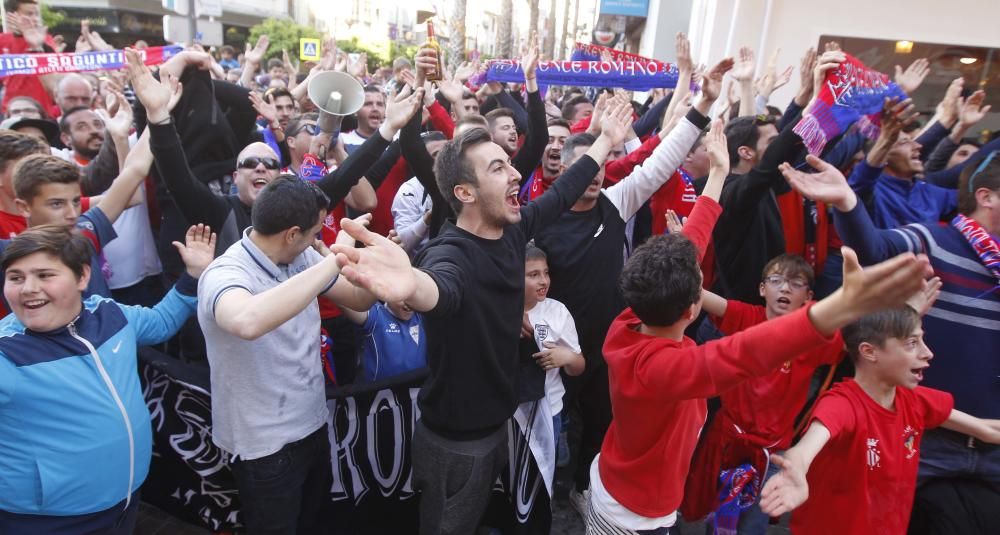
(311, 129)
(253, 161)
(982, 166)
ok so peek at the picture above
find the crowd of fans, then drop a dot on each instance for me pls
(607, 261)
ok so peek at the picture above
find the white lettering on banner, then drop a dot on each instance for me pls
(384, 401)
(343, 453)
(407, 490)
(575, 66)
(18, 62)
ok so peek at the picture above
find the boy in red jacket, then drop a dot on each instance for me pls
(757, 416)
(659, 379)
(865, 435)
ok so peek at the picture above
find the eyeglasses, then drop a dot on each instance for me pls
(776, 281)
(311, 129)
(252, 162)
(982, 166)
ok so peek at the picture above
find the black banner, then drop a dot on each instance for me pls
(370, 435)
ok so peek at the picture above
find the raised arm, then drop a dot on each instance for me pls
(789, 489)
(986, 430)
(575, 180)
(855, 227)
(116, 199)
(537, 135)
(700, 224)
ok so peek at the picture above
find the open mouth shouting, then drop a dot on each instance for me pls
(511, 200)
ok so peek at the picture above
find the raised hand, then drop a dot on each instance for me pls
(424, 62)
(34, 35)
(787, 489)
(883, 286)
(923, 300)
(895, 117)
(972, 111)
(198, 249)
(828, 185)
(744, 68)
(359, 68)
(264, 109)
(914, 75)
(616, 123)
(598, 114)
(451, 88)
(154, 96)
(711, 85)
(254, 56)
(401, 108)
(465, 71)
(674, 223)
(684, 61)
(118, 117)
(948, 109)
(381, 267)
(529, 59)
(806, 83)
(829, 60)
(717, 148)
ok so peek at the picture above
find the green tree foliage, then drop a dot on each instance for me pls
(283, 34)
(50, 17)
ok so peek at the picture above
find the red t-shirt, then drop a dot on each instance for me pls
(678, 194)
(765, 407)
(24, 85)
(658, 389)
(382, 221)
(331, 227)
(864, 478)
(11, 225)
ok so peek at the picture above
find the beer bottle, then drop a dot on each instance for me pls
(432, 43)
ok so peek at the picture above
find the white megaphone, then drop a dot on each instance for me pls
(336, 94)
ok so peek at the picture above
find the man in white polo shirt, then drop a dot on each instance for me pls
(261, 321)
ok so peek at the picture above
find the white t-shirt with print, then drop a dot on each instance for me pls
(554, 324)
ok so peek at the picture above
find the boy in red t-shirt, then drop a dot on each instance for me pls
(659, 378)
(865, 435)
(757, 416)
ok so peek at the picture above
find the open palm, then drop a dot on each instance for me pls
(381, 267)
(153, 95)
(198, 249)
(828, 185)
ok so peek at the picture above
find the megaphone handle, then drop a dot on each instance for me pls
(329, 122)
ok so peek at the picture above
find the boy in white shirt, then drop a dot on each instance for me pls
(551, 326)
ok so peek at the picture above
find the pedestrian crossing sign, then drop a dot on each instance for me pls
(308, 49)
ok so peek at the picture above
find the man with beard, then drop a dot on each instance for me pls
(886, 178)
(370, 118)
(82, 130)
(551, 167)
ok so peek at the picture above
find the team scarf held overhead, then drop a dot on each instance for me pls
(50, 63)
(632, 75)
(983, 243)
(850, 93)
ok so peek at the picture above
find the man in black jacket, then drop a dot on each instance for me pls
(469, 283)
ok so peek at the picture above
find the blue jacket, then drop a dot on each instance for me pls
(75, 435)
(897, 202)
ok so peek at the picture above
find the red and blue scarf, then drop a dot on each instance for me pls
(740, 488)
(850, 93)
(983, 243)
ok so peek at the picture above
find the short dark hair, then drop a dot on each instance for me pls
(295, 123)
(452, 167)
(370, 88)
(583, 139)
(433, 135)
(36, 104)
(274, 62)
(569, 107)
(557, 121)
(491, 117)
(60, 241)
(661, 279)
(744, 132)
(16, 145)
(987, 176)
(36, 170)
(273, 93)
(64, 119)
(878, 327)
(532, 252)
(477, 120)
(790, 265)
(287, 202)
(227, 48)
(11, 6)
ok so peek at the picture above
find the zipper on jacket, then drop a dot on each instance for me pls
(121, 408)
